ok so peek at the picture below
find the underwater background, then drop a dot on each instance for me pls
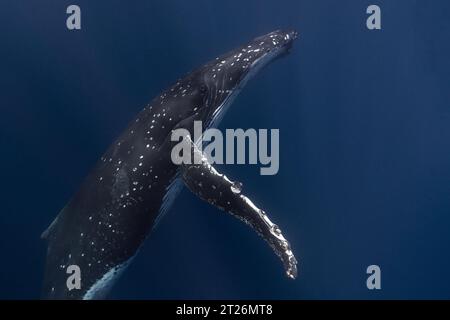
(364, 119)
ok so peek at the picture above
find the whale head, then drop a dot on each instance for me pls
(206, 93)
(224, 77)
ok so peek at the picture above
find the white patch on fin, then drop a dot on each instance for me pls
(102, 286)
(47, 231)
(172, 192)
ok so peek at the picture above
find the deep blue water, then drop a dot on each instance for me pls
(364, 119)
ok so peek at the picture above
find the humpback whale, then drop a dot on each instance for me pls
(102, 227)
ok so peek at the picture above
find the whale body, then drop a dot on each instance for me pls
(102, 227)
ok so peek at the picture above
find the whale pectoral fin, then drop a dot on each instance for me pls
(215, 188)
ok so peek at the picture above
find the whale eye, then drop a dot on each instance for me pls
(203, 89)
